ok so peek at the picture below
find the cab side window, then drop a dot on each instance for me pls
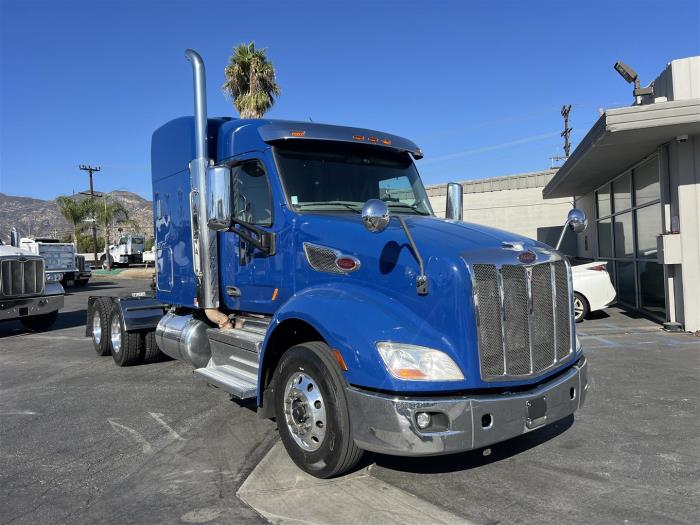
(252, 198)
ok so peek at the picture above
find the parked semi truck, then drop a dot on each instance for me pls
(301, 265)
(27, 291)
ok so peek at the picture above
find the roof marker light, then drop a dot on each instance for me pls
(298, 133)
(373, 139)
(386, 142)
(358, 137)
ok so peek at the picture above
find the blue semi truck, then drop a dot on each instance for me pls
(301, 265)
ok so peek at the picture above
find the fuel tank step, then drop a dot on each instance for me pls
(238, 383)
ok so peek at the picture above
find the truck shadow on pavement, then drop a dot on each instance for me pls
(65, 320)
(475, 458)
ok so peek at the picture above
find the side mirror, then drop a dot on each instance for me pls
(453, 206)
(577, 220)
(375, 215)
(218, 197)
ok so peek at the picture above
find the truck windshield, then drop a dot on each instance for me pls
(327, 176)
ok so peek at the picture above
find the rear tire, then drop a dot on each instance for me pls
(39, 323)
(101, 310)
(581, 307)
(151, 353)
(312, 411)
(127, 347)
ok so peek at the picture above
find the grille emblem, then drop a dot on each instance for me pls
(527, 257)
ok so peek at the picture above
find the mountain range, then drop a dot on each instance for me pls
(42, 218)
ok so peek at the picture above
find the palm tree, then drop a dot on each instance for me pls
(74, 212)
(250, 81)
(107, 214)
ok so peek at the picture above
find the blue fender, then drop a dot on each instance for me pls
(352, 319)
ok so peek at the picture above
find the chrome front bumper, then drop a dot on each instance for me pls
(387, 424)
(28, 306)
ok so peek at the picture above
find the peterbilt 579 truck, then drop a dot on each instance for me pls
(300, 265)
(27, 291)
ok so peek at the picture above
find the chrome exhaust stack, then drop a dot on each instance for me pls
(204, 249)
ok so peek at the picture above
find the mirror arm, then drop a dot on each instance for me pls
(422, 280)
(561, 236)
(267, 247)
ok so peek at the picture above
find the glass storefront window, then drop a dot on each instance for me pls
(626, 292)
(648, 228)
(628, 223)
(652, 296)
(624, 237)
(605, 238)
(622, 197)
(603, 200)
(646, 183)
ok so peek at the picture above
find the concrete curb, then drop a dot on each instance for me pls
(280, 492)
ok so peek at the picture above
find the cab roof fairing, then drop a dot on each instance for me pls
(242, 136)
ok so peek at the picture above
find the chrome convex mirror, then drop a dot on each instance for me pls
(576, 221)
(218, 197)
(375, 215)
(453, 206)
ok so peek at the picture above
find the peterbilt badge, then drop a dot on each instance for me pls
(527, 257)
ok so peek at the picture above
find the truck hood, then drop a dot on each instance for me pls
(434, 236)
(12, 251)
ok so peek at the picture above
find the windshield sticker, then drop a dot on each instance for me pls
(295, 200)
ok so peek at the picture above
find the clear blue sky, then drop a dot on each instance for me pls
(478, 85)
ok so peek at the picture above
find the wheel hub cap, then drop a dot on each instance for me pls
(96, 328)
(116, 335)
(305, 411)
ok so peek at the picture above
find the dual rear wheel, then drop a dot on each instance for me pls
(109, 336)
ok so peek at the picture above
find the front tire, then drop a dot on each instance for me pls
(581, 308)
(312, 411)
(127, 347)
(39, 323)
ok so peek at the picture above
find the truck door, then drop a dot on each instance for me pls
(248, 283)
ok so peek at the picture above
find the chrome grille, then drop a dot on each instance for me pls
(20, 277)
(524, 318)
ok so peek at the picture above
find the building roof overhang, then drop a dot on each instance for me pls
(620, 138)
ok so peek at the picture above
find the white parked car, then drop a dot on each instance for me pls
(593, 289)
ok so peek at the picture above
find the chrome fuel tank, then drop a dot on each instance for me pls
(184, 338)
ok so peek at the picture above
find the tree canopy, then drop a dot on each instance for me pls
(250, 81)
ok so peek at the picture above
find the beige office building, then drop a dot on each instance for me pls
(636, 174)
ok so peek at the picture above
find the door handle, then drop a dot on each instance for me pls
(233, 291)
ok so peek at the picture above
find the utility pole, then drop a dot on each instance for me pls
(565, 134)
(91, 170)
(567, 130)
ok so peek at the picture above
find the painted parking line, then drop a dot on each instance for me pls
(279, 491)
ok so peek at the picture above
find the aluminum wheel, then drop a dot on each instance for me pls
(305, 411)
(116, 334)
(96, 327)
(579, 308)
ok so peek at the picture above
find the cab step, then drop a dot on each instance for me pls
(236, 382)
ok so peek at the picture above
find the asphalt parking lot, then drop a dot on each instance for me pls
(83, 441)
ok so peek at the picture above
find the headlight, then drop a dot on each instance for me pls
(418, 363)
(53, 277)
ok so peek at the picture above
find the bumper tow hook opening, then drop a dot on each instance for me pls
(486, 421)
(572, 393)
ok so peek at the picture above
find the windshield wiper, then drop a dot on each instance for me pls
(410, 206)
(330, 203)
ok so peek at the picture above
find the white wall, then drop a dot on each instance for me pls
(520, 211)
